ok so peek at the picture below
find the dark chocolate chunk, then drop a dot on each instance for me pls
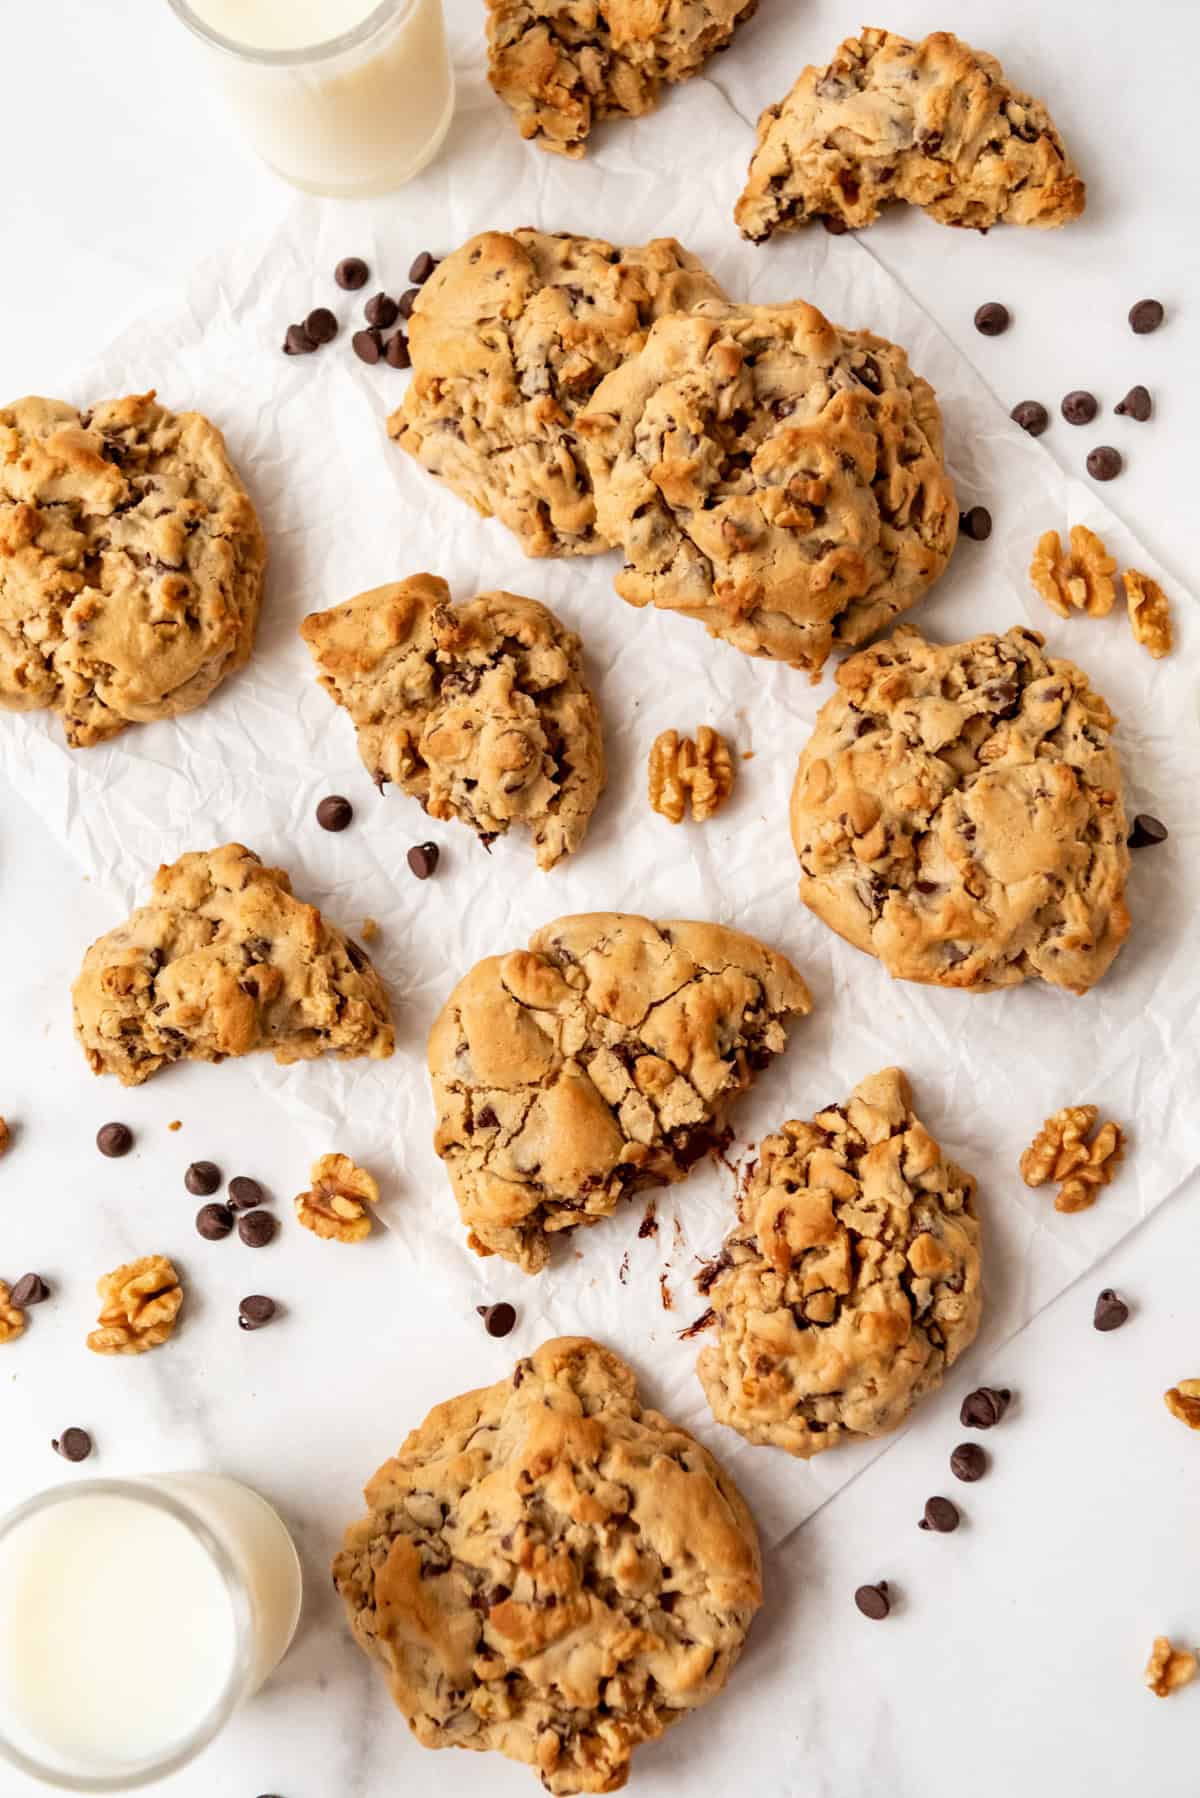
(255, 1312)
(114, 1140)
(202, 1178)
(214, 1222)
(244, 1193)
(382, 310)
(1105, 463)
(367, 346)
(351, 274)
(257, 1228)
(1147, 832)
(407, 301)
(984, 1407)
(321, 325)
(968, 1462)
(1136, 404)
(397, 355)
(992, 319)
(1032, 416)
(873, 1601)
(1146, 316)
(334, 812)
(422, 267)
(73, 1445)
(1080, 407)
(29, 1290)
(498, 1320)
(297, 342)
(976, 524)
(1111, 1311)
(423, 859)
(941, 1514)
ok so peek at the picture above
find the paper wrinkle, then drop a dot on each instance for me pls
(345, 510)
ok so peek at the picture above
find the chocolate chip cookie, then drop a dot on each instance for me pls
(563, 65)
(599, 1061)
(510, 337)
(224, 960)
(552, 1572)
(481, 711)
(957, 812)
(131, 563)
(934, 123)
(772, 475)
(851, 1280)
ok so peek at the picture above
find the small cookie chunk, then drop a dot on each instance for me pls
(773, 476)
(933, 123)
(481, 711)
(1149, 613)
(680, 769)
(335, 1207)
(563, 65)
(141, 1304)
(131, 563)
(222, 961)
(550, 1571)
(509, 338)
(1169, 1668)
(957, 812)
(851, 1281)
(1082, 578)
(598, 1062)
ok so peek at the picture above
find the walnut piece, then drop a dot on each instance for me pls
(1061, 1151)
(1083, 577)
(1168, 1668)
(140, 1305)
(1183, 1402)
(12, 1321)
(1104, 1155)
(679, 767)
(1149, 612)
(5, 1135)
(336, 1207)
(369, 930)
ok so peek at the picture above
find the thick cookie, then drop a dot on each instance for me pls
(131, 563)
(563, 65)
(550, 1571)
(480, 711)
(510, 337)
(773, 476)
(851, 1281)
(957, 812)
(934, 123)
(223, 961)
(600, 1061)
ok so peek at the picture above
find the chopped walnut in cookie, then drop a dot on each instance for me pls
(141, 1302)
(1081, 577)
(12, 1319)
(1062, 1152)
(1169, 1668)
(679, 767)
(1183, 1402)
(336, 1207)
(1149, 613)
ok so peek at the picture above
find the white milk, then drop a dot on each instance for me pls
(282, 24)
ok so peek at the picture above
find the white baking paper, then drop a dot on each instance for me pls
(344, 509)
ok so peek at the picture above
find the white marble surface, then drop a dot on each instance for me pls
(1014, 1658)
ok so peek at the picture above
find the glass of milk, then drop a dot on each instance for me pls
(135, 1617)
(339, 96)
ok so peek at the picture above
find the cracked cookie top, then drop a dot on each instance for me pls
(957, 812)
(222, 961)
(599, 1061)
(131, 563)
(851, 1280)
(510, 337)
(563, 65)
(934, 123)
(480, 711)
(551, 1571)
(772, 475)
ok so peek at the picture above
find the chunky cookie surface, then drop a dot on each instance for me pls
(851, 1280)
(225, 960)
(510, 337)
(933, 123)
(563, 65)
(773, 476)
(957, 812)
(131, 563)
(551, 1571)
(598, 1062)
(481, 711)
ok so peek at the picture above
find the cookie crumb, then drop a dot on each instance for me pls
(175, 1124)
(369, 930)
(1169, 1668)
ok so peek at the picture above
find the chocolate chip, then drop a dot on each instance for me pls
(1111, 1311)
(352, 273)
(984, 1407)
(836, 227)
(407, 301)
(114, 1140)
(498, 1320)
(423, 859)
(976, 524)
(397, 353)
(321, 325)
(367, 346)
(297, 342)
(968, 1462)
(992, 319)
(244, 1193)
(1105, 463)
(214, 1222)
(334, 812)
(1147, 832)
(941, 1514)
(29, 1290)
(73, 1445)
(1146, 316)
(873, 1601)
(202, 1178)
(423, 266)
(1032, 416)
(255, 1311)
(257, 1228)
(1136, 404)
(1080, 407)
(382, 310)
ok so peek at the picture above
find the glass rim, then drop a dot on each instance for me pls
(323, 50)
(185, 1750)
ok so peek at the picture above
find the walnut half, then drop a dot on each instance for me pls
(1082, 577)
(140, 1305)
(12, 1321)
(1061, 1151)
(1168, 1668)
(1183, 1402)
(680, 768)
(336, 1207)
(1149, 613)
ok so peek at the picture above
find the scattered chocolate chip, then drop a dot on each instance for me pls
(397, 353)
(1111, 1311)
(941, 1514)
(498, 1320)
(422, 267)
(382, 310)
(1105, 463)
(1146, 316)
(256, 1228)
(836, 227)
(352, 273)
(367, 346)
(255, 1311)
(1032, 416)
(214, 1222)
(407, 301)
(297, 342)
(73, 1445)
(984, 1407)
(992, 319)
(202, 1178)
(976, 524)
(334, 812)
(1080, 407)
(1147, 832)
(114, 1140)
(423, 859)
(968, 1462)
(1136, 404)
(29, 1290)
(244, 1193)
(321, 325)
(873, 1601)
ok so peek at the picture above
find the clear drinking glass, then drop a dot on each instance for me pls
(135, 1617)
(357, 114)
